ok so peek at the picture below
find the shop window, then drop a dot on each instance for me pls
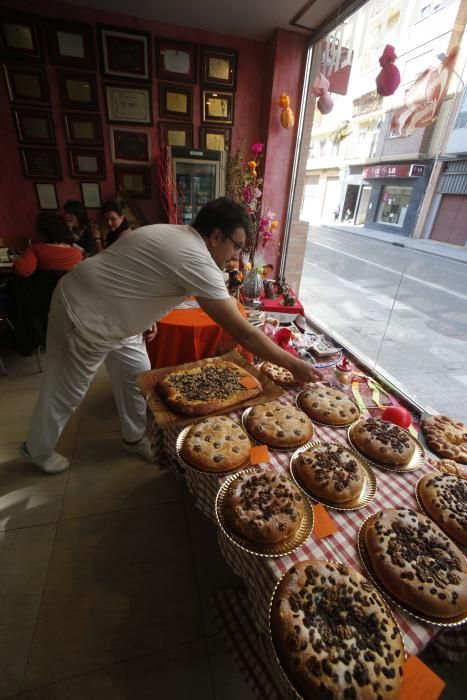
(393, 205)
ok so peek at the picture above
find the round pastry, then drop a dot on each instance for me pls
(216, 444)
(383, 442)
(449, 466)
(328, 405)
(417, 563)
(334, 635)
(446, 437)
(279, 426)
(263, 507)
(444, 497)
(331, 472)
(279, 375)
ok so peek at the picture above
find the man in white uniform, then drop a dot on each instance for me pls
(101, 307)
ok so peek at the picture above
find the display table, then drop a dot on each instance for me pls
(261, 574)
(277, 306)
(189, 334)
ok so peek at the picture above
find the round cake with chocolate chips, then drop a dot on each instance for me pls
(277, 425)
(383, 442)
(417, 563)
(331, 472)
(263, 507)
(328, 405)
(216, 444)
(279, 375)
(444, 498)
(333, 634)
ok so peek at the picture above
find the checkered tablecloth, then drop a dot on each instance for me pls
(261, 574)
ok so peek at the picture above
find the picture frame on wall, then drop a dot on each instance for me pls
(218, 67)
(175, 101)
(82, 129)
(78, 91)
(176, 60)
(212, 138)
(87, 163)
(217, 107)
(34, 126)
(41, 163)
(26, 84)
(91, 195)
(134, 179)
(125, 55)
(128, 104)
(132, 146)
(70, 44)
(46, 194)
(20, 37)
(176, 134)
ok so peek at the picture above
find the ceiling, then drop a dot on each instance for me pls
(253, 19)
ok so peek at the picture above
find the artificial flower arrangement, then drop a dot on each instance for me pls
(244, 185)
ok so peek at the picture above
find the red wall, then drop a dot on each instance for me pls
(18, 205)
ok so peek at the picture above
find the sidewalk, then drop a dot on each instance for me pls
(421, 245)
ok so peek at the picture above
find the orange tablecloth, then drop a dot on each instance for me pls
(186, 335)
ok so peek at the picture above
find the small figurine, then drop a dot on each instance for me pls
(234, 282)
(268, 289)
(289, 299)
(343, 371)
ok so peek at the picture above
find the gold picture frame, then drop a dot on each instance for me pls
(175, 101)
(217, 107)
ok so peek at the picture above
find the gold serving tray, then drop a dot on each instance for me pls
(365, 496)
(422, 507)
(186, 465)
(329, 425)
(416, 461)
(245, 415)
(278, 549)
(431, 620)
(271, 637)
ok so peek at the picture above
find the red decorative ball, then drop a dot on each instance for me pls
(398, 415)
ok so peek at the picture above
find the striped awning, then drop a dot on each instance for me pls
(454, 179)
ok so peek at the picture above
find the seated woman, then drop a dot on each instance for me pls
(78, 222)
(115, 221)
(55, 249)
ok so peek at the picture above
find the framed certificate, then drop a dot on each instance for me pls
(176, 134)
(125, 55)
(78, 90)
(217, 107)
(218, 67)
(213, 138)
(27, 84)
(41, 163)
(135, 180)
(87, 163)
(91, 195)
(175, 101)
(46, 196)
(82, 129)
(70, 44)
(176, 60)
(130, 145)
(19, 37)
(34, 126)
(128, 104)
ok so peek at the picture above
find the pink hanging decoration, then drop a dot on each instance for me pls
(389, 78)
(320, 89)
(424, 98)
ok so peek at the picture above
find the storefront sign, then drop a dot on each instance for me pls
(401, 170)
(369, 102)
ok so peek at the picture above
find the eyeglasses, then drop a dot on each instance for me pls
(237, 246)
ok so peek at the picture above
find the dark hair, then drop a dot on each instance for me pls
(52, 228)
(77, 209)
(112, 205)
(224, 214)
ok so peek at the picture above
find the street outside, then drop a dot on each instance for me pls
(403, 311)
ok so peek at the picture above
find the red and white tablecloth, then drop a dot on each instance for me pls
(261, 574)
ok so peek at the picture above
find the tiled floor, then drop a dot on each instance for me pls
(106, 570)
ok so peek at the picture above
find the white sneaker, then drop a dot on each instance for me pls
(54, 464)
(141, 449)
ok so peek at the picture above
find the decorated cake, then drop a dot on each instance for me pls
(444, 498)
(383, 442)
(277, 425)
(216, 444)
(331, 472)
(328, 405)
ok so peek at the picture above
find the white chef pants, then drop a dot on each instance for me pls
(71, 363)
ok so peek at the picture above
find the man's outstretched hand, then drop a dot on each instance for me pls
(304, 372)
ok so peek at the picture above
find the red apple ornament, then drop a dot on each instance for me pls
(397, 415)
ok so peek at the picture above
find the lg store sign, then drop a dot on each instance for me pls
(402, 170)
